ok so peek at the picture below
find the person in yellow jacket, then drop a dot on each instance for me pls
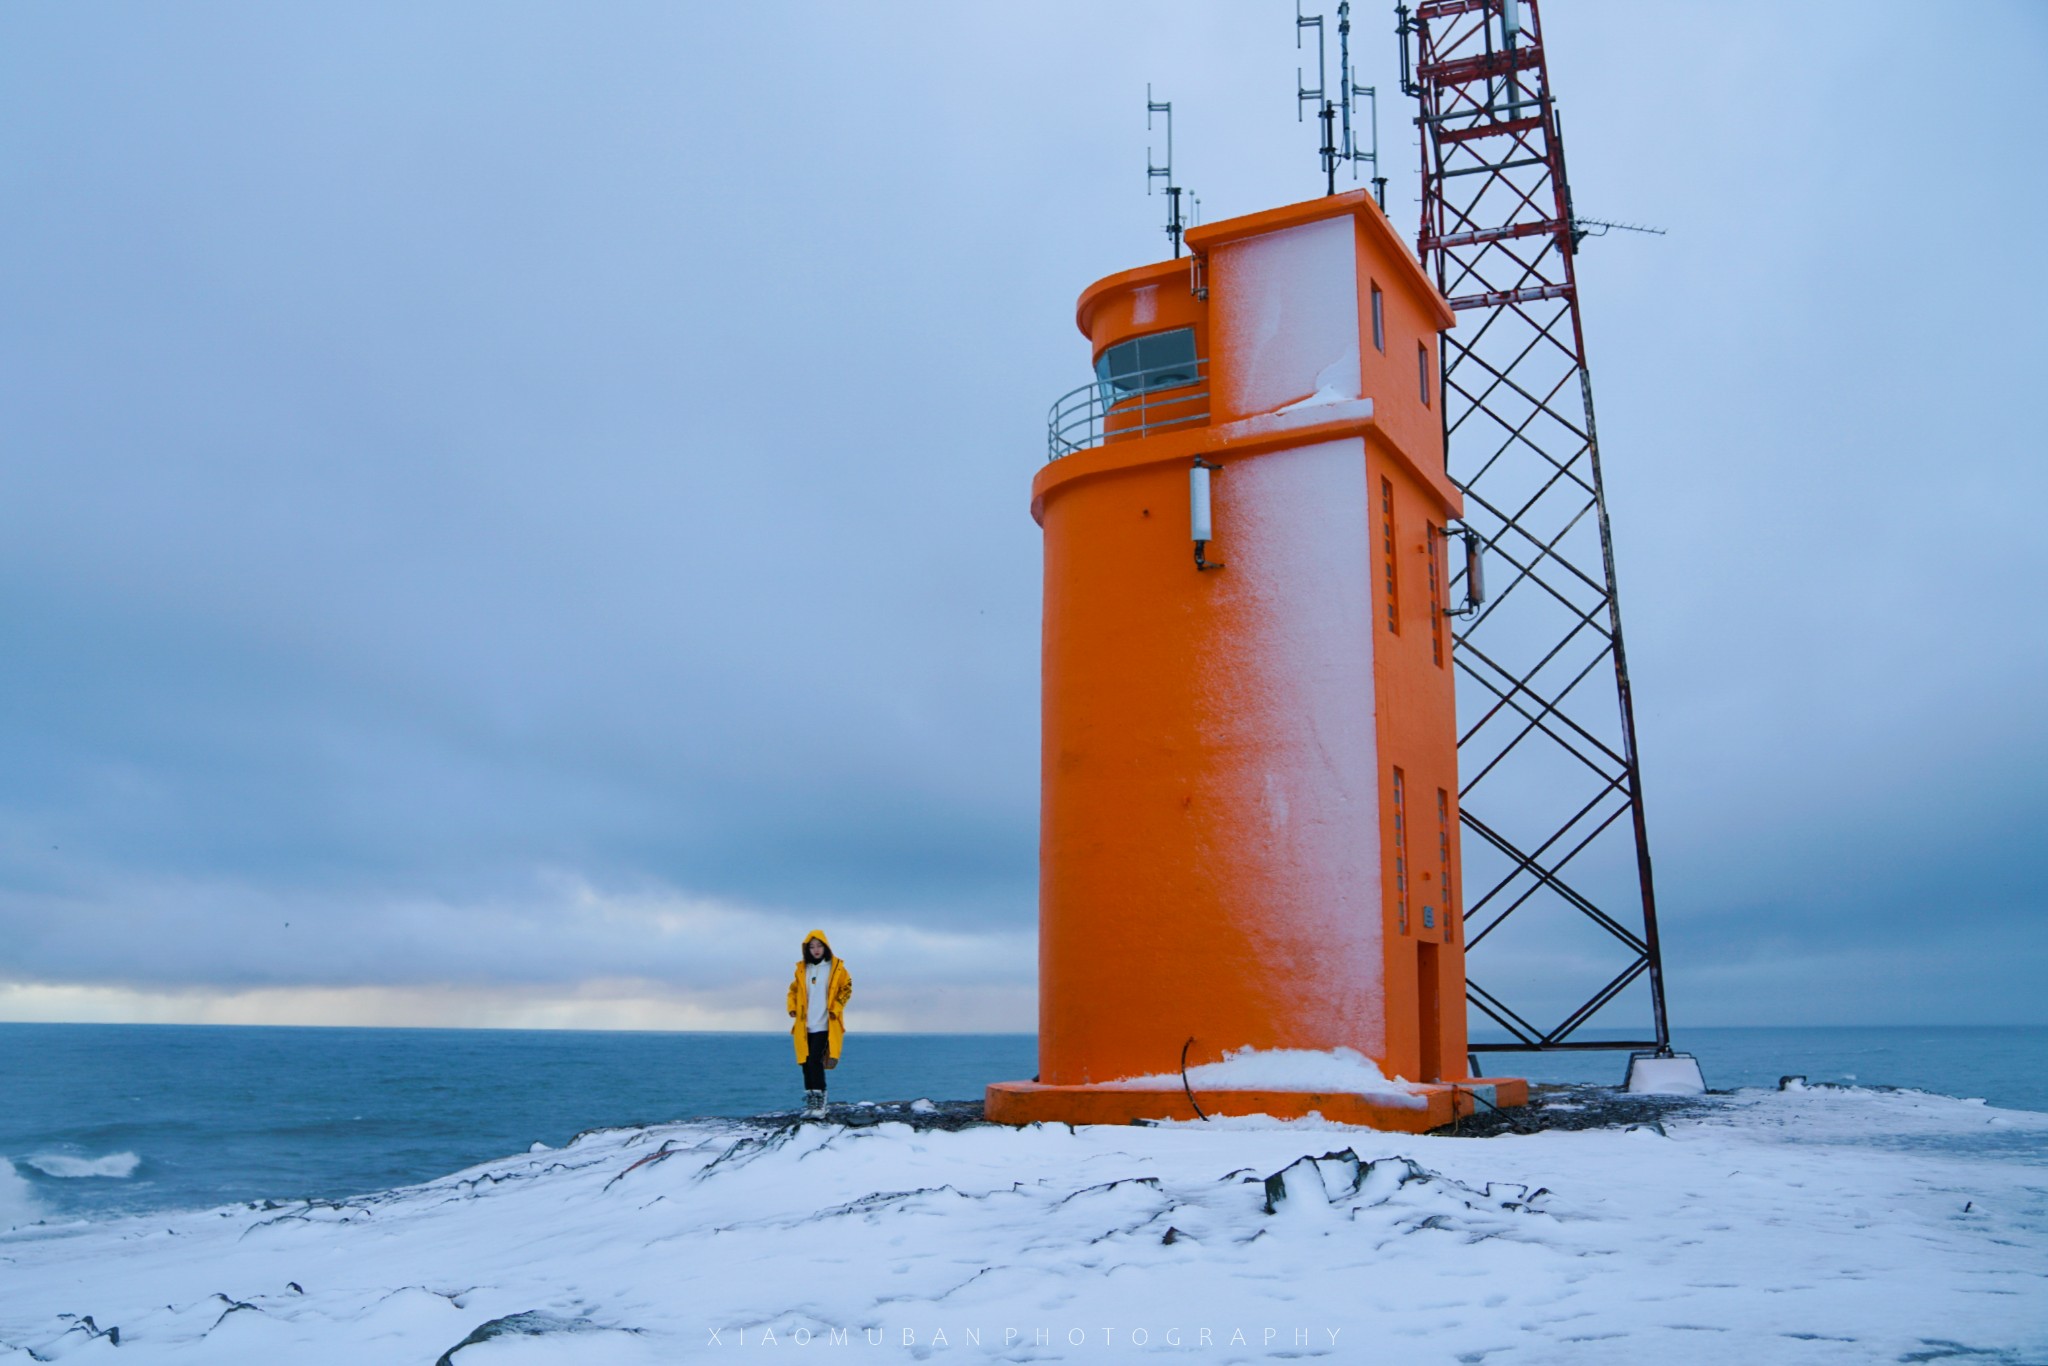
(817, 1005)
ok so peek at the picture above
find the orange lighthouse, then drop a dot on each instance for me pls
(1249, 826)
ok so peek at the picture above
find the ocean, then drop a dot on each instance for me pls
(110, 1119)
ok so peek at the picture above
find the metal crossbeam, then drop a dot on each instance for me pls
(1520, 440)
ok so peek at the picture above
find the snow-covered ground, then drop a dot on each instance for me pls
(1805, 1226)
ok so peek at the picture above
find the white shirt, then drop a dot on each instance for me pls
(817, 983)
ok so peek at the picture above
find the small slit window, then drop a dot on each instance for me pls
(1387, 555)
(1400, 852)
(1422, 370)
(1443, 856)
(1164, 360)
(1436, 593)
(1379, 321)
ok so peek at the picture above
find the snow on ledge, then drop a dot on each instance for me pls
(1312, 411)
(1337, 382)
(1342, 1070)
(1321, 398)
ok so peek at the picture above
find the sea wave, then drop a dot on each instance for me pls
(18, 1204)
(116, 1165)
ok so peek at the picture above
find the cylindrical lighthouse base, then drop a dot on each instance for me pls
(1026, 1102)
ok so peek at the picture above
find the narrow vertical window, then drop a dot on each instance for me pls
(1422, 370)
(1436, 594)
(1387, 550)
(1443, 857)
(1379, 320)
(1400, 855)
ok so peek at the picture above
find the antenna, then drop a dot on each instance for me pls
(1304, 95)
(1510, 31)
(1404, 28)
(1349, 89)
(1174, 223)
(1582, 228)
(1326, 112)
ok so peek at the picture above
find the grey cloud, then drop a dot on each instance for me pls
(445, 446)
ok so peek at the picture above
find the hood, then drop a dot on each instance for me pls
(803, 956)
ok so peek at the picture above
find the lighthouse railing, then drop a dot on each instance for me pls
(1132, 404)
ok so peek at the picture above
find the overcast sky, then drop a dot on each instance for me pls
(512, 514)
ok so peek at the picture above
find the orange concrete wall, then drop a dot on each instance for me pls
(1216, 825)
(1134, 303)
(1208, 857)
(1416, 729)
(1414, 313)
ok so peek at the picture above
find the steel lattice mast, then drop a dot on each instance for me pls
(1551, 787)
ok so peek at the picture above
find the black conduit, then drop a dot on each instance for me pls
(1184, 1078)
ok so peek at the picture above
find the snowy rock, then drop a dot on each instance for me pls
(532, 1323)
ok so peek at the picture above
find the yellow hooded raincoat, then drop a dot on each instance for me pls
(839, 990)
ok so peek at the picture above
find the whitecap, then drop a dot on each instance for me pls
(17, 1198)
(116, 1165)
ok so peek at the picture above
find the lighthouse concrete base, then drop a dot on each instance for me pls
(1431, 1106)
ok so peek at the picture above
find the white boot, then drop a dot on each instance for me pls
(814, 1102)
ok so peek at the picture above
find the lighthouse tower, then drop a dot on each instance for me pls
(1249, 826)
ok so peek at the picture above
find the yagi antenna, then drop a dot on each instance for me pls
(1342, 139)
(1175, 224)
(1582, 228)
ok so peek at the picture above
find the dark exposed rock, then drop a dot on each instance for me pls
(531, 1323)
(1574, 1107)
(1549, 1107)
(82, 1323)
(942, 1114)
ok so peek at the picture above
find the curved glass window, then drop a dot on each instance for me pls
(1164, 360)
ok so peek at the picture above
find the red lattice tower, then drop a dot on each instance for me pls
(1559, 901)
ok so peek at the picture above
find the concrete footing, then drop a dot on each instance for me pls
(1672, 1074)
(1435, 1105)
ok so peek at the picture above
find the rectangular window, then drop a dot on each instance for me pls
(1422, 370)
(1436, 593)
(1400, 855)
(1162, 360)
(1443, 857)
(1387, 548)
(1379, 320)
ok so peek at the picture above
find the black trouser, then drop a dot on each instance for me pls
(814, 1060)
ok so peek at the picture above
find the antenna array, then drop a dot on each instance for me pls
(1175, 224)
(1341, 142)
